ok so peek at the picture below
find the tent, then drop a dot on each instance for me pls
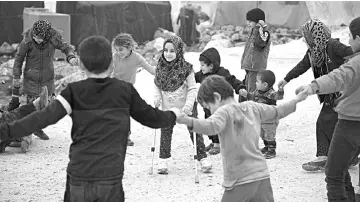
(290, 14)
(140, 19)
(11, 22)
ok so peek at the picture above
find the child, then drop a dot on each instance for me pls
(127, 62)
(210, 65)
(37, 48)
(175, 87)
(257, 47)
(266, 94)
(18, 113)
(246, 175)
(345, 143)
(100, 108)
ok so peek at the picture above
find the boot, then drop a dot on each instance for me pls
(3, 145)
(265, 149)
(271, 153)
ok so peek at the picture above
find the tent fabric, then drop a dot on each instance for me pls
(290, 14)
(11, 22)
(140, 19)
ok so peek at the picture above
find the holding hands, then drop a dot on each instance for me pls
(282, 84)
(243, 92)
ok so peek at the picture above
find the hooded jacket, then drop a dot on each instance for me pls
(213, 55)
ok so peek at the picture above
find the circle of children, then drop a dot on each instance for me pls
(101, 106)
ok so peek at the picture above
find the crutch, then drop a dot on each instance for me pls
(195, 160)
(153, 152)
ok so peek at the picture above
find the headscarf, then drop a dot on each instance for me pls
(169, 76)
(317, 35)
(41, 29)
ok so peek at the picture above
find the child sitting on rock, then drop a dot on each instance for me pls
(266, 94)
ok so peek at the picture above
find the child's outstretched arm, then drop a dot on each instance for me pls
(148, 115)
(272, 113)
(35, 121)
(344, 77)
(191, 94)
(211, 126)
(277, 95)
(144, 64)
(234, 82)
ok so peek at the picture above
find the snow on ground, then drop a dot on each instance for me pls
(40, 174)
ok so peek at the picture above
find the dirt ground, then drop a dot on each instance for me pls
(40, 174)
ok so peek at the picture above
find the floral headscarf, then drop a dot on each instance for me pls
(170, 76)
(41, 28)
(317, 35)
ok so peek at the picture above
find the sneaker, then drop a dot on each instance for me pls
(207, 148)
(313, 166)
(206, 165)
(163, 167)
(270, 154)
(214, 150)
(264, 150)
(41, 135)
(25, 143)
(3, 145)
(130, 143)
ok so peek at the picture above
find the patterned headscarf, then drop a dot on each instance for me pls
(317, 35)
(170, 76)
(41, 28)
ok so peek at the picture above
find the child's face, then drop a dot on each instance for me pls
(37, 39)
(261, 85)
(122, 51)
(213, 106)
(250, 24)
(169, 52)
(205, 68)
(354, 43)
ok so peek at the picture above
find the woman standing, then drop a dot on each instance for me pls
(324, 54)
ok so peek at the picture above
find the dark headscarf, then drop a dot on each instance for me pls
(170, 76)
(317, 35)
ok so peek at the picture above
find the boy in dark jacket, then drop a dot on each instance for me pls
(37, 49)
(257, 47)
(210, 65)
(100, 108)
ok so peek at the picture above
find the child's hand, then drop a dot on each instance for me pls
(157, 103)
(305, 88)
(301, 95)
(282, 84)
(261, 23)
(243, 92)
(186, 111)
(183, 119)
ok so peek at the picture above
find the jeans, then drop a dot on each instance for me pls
(344, 147)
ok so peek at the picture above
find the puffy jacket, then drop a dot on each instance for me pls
(256, 50)
(39, 67)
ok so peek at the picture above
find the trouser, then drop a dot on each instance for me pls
(8, 117)
(213, 138)
(258, 191)
(166, 137)
(325, 126)
(91, 191)
(250, 80)
(344, 147)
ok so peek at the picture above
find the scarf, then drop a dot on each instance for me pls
(169, 76)
(42, 29)
(316, 35)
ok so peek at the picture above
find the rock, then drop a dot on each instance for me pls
(62, 83)
(239, 44)
(218, 44)
(230, 28)
(224, 27)
(239, 29)
(228, 33)
(235, 37)
(158, 44)
(206, 38)
(219, 36)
